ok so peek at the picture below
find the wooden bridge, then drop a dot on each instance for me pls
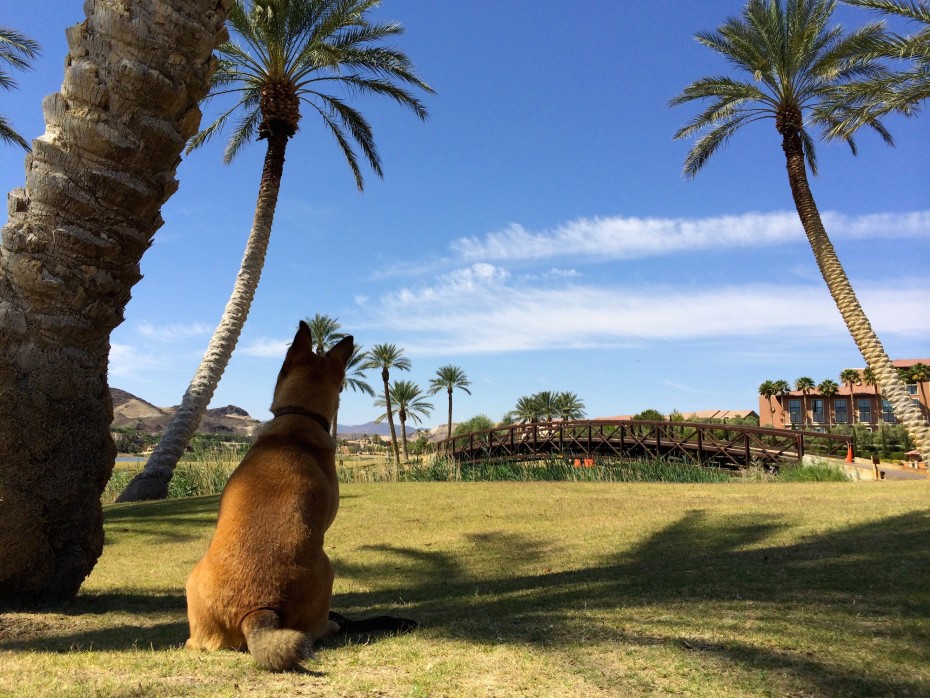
(717, 445)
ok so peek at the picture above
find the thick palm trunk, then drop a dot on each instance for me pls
(855, 318)
(70, 252)
(385, 376)
(152, 482)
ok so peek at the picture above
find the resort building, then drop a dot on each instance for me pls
(855, 403)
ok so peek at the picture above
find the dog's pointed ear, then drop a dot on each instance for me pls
(302, 345)
(343, 350)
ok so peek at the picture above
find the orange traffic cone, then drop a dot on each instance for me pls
(849, 454)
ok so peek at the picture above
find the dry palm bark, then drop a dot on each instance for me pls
(95, 183)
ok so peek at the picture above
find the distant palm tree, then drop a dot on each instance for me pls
(410, 403)
(782, 388)
(850, 377)
(546, 401)
(526, 410)
(325, 332)
(920, 374)
(386, 357)
(354, 379)
(767, 390)
(569, 406)
(16, 51)
(292, 50)
(797, 68)
(828, 388)
(449, 378)
(805, 384)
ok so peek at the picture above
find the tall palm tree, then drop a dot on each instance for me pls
(411, 404)
(828, 388)
(569, 405)
(805, 384)
(16, 50)
(449, 378)
(69, 257)
(354, 379)
(798, 67)
(292, 53)
(767, 390)
(386, 357)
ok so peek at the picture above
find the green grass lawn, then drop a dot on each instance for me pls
(534, 589)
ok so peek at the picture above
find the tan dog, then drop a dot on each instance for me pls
(265, 581)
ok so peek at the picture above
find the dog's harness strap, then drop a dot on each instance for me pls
(316, 416)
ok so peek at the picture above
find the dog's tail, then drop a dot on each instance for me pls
(273, 647)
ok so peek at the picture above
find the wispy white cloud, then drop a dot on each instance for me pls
(128, 362)
(634, 238)
(481, 309)
(173, 333)
(266, 348)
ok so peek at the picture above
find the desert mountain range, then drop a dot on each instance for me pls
(135, 413)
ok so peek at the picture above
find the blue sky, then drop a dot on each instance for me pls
(535, 231)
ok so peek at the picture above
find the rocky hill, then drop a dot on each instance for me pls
(135, 413)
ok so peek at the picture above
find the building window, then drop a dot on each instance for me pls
(912, 388)
(817, 410)
(840, 413)
(887, 412)
(794, 410)
(865, 410)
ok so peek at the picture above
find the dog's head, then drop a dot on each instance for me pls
(309, 381)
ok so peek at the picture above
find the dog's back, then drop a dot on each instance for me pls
(265, 581)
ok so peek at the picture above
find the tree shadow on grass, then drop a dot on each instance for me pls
(869, 578)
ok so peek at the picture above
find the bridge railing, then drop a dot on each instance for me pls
(726, 445)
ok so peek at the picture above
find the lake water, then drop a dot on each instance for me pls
(131, 459)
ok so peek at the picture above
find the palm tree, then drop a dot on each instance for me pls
(828, 388)
(569, 406)
(526, 410)
(799, 67)
(782, 388)
(870, 379)
(325, 332)
(449, 378)
(767, 390)
(805, 384)
(16, 50)
(546, 402)
(69, 257)
(386, 357)
(410, 403)
(920, 374)
(902, 90)
(292, 51)
(354, 379)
